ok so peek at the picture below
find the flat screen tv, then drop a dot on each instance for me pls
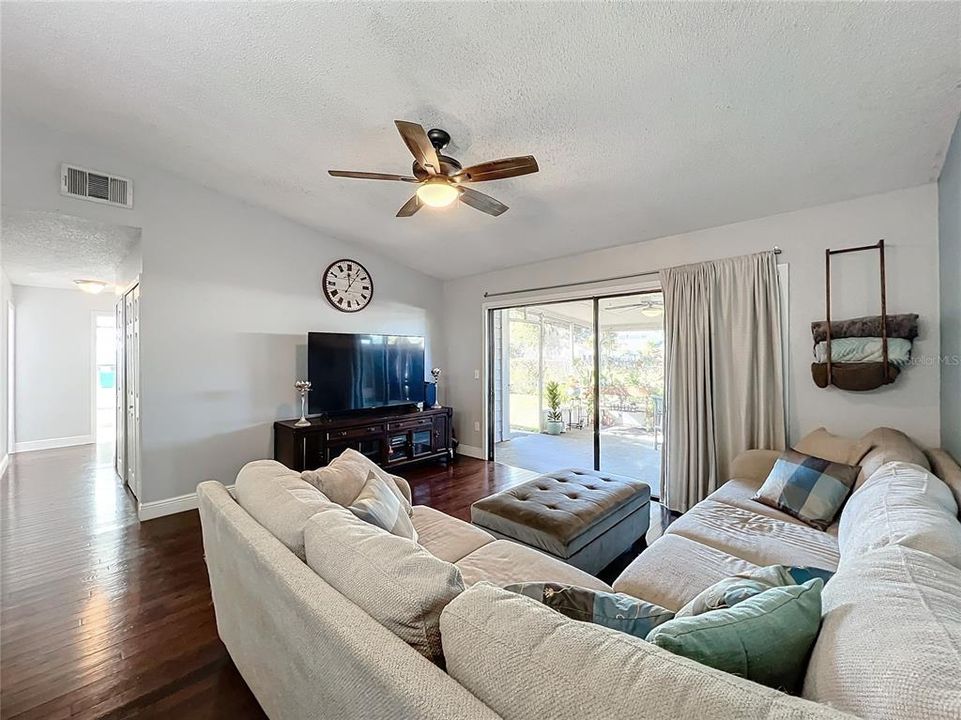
(354, 372)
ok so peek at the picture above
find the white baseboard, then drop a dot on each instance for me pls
(4, 464)
(170, 506)
(53, 443)
(471, 451)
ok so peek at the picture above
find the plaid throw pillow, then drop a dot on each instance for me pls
(614, 610)
(379, 506)
(809, 488)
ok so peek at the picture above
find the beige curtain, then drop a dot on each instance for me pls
(723, 378)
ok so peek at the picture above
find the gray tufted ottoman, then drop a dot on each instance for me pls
(583, 517)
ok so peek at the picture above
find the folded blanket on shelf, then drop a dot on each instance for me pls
(899, 326)
(864, 349)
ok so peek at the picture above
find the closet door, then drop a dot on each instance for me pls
(132, 387)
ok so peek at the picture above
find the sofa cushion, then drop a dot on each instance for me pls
(504, 562)
(392, 579)
(754, 465)
(756, 538)
(765, 638)
(890, 641)
(902, 504)
(740, 493)
(888, 445)
(276, 497)
(613, 610)
(810, 488)
(526, 661)
(344, 478)
(823, 444)
(691, 567)
(446, 537)
(380, 506)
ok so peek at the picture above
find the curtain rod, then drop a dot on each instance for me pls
(777, 251)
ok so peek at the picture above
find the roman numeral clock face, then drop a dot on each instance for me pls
(347, 285)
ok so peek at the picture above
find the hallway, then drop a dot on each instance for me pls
(103, 616)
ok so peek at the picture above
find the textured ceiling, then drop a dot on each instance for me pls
(47, 249)
(647, 119)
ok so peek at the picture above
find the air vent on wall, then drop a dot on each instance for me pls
(95, 186)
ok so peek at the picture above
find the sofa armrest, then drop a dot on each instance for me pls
(754, 464)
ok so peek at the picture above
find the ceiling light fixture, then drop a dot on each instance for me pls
(94, 287)
(437, 193)
(652, 311)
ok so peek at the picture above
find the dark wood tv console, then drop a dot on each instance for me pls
(389, 438)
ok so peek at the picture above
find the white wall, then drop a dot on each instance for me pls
(907, 219)
(229, 292)
(949, 219)
(53, 354)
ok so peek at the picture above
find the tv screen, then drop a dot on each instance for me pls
(352, 372)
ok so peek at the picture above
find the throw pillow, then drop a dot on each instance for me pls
(809, 488)
(802, 574)
(730, 591)
(377, 505)
(342, 480)
(613, 610)
(396, 582)
(766, 638)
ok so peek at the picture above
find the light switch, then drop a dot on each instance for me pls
(476, 427)
(477, 374)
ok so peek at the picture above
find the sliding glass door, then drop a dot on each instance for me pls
(542, 366)
(578, 384)
(631, 385)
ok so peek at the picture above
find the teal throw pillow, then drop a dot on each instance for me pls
(802, 574)
(613, 610)
(765, 638)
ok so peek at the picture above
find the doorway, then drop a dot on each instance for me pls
(579, 383)
(104, 377)
(11, 376)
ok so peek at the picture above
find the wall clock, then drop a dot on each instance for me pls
(347, 285)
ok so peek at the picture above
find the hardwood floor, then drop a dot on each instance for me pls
(105, 617)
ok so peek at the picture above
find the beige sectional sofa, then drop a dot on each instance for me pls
(322, 613)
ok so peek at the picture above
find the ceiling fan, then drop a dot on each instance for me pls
(441, 178)
(648, 308)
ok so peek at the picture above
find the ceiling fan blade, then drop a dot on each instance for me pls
(497, 169)
(371, 176)
(482, 202)
(420, 146)
(410, 207)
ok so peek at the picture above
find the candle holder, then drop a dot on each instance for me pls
(302, 387)
(435, 373)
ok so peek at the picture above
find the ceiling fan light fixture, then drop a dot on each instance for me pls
(652, 311)
(93, 287)
(437, 193)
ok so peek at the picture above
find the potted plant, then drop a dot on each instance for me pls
(555, 422)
